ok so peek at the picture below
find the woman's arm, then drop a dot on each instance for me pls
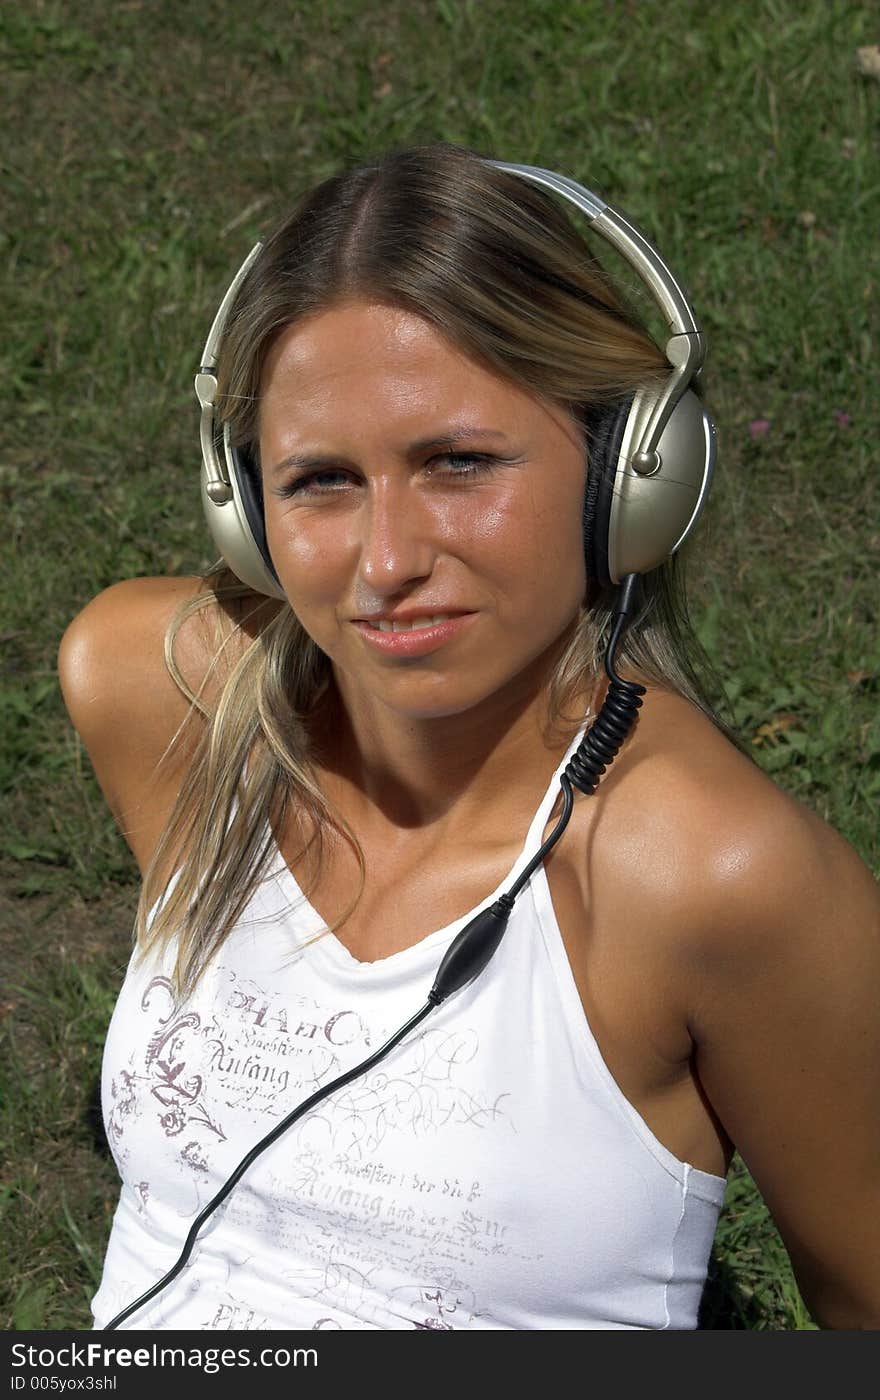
(784, 978)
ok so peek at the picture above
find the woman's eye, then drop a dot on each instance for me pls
(315, 483)
(330, 482)
(463, 465)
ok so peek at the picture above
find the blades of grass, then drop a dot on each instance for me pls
(85, 1251)
(30, 1309)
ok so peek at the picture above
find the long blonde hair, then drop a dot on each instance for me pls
(495, 266)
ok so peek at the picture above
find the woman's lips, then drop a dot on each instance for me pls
(415, 641)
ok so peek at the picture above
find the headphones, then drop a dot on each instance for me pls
(652, 455)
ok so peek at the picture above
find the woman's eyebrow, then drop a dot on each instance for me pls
(466, 433)
(452, 438)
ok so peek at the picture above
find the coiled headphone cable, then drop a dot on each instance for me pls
(474, 945)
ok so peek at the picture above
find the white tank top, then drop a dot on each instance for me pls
(488, 1173)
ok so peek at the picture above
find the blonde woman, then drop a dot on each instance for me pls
(455, 630)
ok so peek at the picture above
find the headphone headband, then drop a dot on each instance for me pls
(686, 348)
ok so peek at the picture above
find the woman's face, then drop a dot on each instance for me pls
(402, 477)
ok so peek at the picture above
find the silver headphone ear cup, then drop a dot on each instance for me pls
(237, 524)
(650, 517)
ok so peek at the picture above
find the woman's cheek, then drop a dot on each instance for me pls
(307, 559)
(485, 517)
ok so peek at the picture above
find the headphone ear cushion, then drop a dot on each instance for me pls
(250, 487)
(604, 431)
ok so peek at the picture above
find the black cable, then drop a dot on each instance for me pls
(619, 709)
(475, 944)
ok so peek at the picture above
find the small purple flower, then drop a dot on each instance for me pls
(843, 419)
(758, 427)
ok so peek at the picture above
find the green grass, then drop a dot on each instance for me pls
(57, 1196)
(151, 144)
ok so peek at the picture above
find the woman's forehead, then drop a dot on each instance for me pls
(364, 340)
(385, 362)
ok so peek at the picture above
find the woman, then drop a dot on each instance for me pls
(419, 367)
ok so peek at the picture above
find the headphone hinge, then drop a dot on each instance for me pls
(685, 352)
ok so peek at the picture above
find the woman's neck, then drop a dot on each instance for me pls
(393, 773)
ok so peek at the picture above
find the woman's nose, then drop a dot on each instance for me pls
(397, 536)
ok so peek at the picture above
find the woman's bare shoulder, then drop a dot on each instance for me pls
(112, 654)
(122, 699)
(114, 649)
(675, 761)
(688, 816)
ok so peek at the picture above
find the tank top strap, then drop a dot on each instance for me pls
(539, 821)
